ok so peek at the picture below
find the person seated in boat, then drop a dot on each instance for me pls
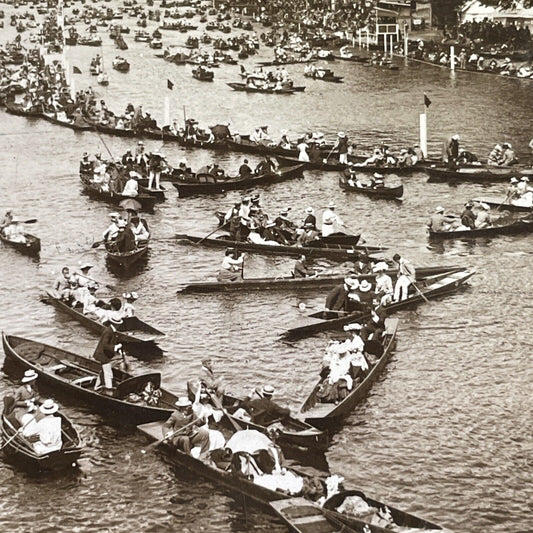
(7, 219)
(15, 232)
(301, 268)
(468, 218)
(307, 234)
(131, 188)
(404, 159)
(522, 186)
(314, 153)
(88, 300)
(383, 290)
(86, 166)
(182, 430)
(376, 159)
(439, 221)
(232, 266)
(111, 233)
(417, 151)
(483, 219)
(406, 277)
(495, 156)
(261, 408)
(140, 231)
(377, 181)
(244, 170)
(26, 395)
(337, 298)
(125, 241)
(284, 142)
(47, 430)
(285, 227)
(366, 295)
(508, 155)
(17, 416)
(128, 309)
(64, 285)
(255, 237)
(214, 170)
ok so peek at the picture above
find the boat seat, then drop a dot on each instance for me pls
(57, 368)
(84, 381)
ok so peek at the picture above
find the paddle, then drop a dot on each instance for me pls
(218, 404)
(420, 292)
(18, 432)
(504, 200)
(209, 234)
(125, 365)
(155, 444)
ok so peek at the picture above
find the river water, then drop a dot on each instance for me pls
(445, 433)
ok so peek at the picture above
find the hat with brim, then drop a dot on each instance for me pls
(351, 327)
(439, 209)
(183, 401)
(49, 407)
(341, 134)
(352, 283)
(514, 180)
(365, 286)
(378, 176)
(86, 266)
(525, 178)
(267, 390)
(331, 205)
(29, 375)
(114, 320)
(114, 215)
(309, 210)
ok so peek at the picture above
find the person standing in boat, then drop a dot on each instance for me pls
(6, 220)
(450, 151)
(232, 266)
(406, 277)
(106, 349)
(155, 165)
(341, 146)
(303, 155)
(330, 221)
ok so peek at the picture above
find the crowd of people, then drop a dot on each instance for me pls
(490, 32)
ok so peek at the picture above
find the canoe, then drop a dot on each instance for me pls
(244, 144)
(504, 205)
(208, 184)
(126, 259)
(138, 337)
(522, 225)
(353, 59)
(19, 450)
(66, 124)
(330, 251)
(477, 174)
(268, 90)
(400, 518)
(17, 109)
(328, 77)
(430, 287)
(65, 372)
(304, 516)
(327, 414)
(31, 247)
(147, 201)
(392, 193)
(288, 283)
(291, 431)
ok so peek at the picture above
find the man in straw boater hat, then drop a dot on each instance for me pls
(261, 408)
(107, 347)
(47, 430)
(26, 395)
(337, 298)
(341, 145)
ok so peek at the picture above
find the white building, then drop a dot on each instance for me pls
(475, 11)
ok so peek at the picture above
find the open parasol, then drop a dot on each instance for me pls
(249, 441)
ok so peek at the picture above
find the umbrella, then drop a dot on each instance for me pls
(220, 131)
(248, 440)
(130, 203)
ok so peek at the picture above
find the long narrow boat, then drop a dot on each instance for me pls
(19, 110)
(262, 284)
(504, 205)
(67, 124)
(244, 485)
(264, 90)
(476, 174)
(19, 450)
(147, 201)
(208, 184)
(330, 251)
(391, 193)
(325, 414)
(138, 337)
(514, 227)
(126, 259)
(430, 288)
(291, 431)
(242, 143)
(305, 516)
(31, 247)
(75, 375)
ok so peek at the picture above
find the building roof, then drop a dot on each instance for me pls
(476, 8)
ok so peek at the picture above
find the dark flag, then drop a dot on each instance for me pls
(170, 85)
(76, 70)
(427, 101)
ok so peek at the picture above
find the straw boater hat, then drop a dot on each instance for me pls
(29, 375)
(49, 407)
(380, 267)
(352, 283)
(130, 296)
(439, 209)
(310, 210)
(378, 176)
(183, 401)
(365, 286)
(514, 180)
(86, 266)
(351, 327)
(341, 134)
(267, 390)
(331, 205)
(115, 321)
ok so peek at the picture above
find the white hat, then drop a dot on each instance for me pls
(133, 174)
(439, 209)
(332, 205)
(455, 137)
(514, 180)
(403, 151)
(380, 267)
(351, 327)
(86, 266)
(525, 178)
(309, 210)
(365, 286)
(29, 375)
(49, 407)
(377, 175)
(268, 390)
(341, 134)
(485, 206)
(352, 283)
(183, 401)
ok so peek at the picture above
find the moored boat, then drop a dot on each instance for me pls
(322, 414)
(31, 246)
(503, 226)
(429, 288)
(19, 450)
(477, 173)
(76, 376)
(393, 193)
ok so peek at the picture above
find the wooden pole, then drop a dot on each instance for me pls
(360, 39)
(405, 41)
(452, 57)
(423, 134)
(391, 47)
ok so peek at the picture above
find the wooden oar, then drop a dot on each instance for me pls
(218, 404)
(420, 292)
(153, 445)
(209, 234)
(504, 200)
(18, 432)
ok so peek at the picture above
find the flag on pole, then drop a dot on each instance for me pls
(76, 70)
(170, 85)
(427, 101)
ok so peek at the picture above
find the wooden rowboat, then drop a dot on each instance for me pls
(138, 337)
(330, 251)
(288, 283)
(522, 225)
(504, 205)
(208, 184)
(392, 193)
(31, 247)
(431, 287)
(265, 90)
(19, 450)
(126, 259)
(75, 376)
(476, 174)
(326, 414)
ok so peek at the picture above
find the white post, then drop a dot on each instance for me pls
(405, 41)
(452, 57)
(72, 90)
(367, 40)
(391, 47)
(423, 134)
(359, 37)
(384, 43)
(166, 119)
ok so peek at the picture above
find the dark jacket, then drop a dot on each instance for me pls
(105, 349)
(337, 298)
(264, 410)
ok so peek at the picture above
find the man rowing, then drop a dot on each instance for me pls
(232, 266)
(439, 221)
(301, 268)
